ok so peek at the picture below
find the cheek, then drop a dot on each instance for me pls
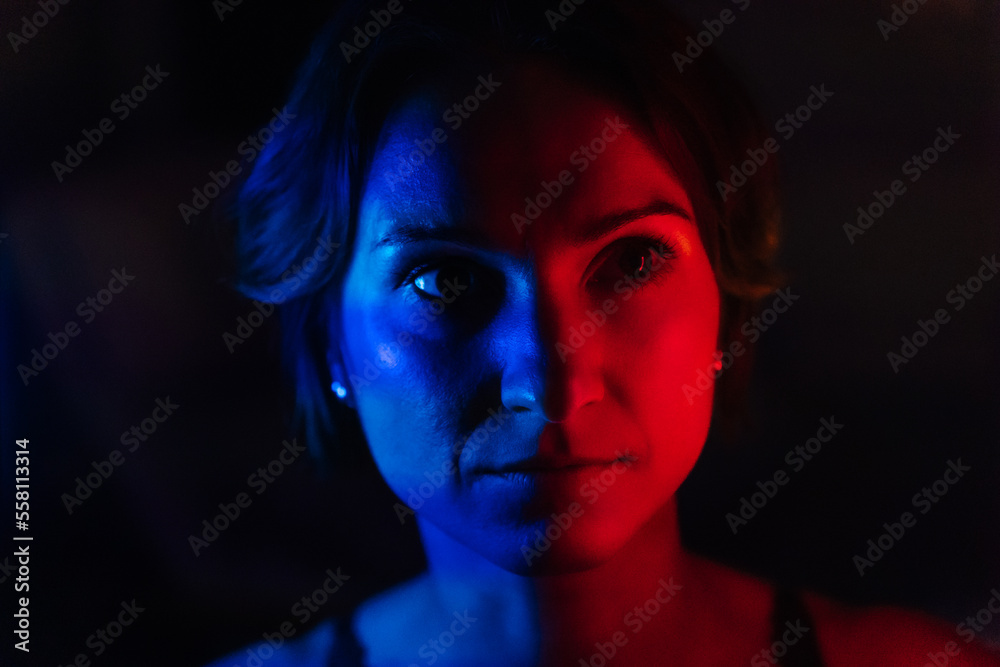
(407, 388)
(667, 333)
(664, 345)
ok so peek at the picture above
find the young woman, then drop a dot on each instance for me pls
(535, 259)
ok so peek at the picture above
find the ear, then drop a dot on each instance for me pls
(341, 388)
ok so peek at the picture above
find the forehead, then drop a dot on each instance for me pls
(538, 157)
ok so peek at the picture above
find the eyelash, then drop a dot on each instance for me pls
(645, 244)
(662, 246)
(407, 277)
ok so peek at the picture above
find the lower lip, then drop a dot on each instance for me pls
(568, 470)
(533, 493)
(535, 477)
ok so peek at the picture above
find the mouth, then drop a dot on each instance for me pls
(547, 465)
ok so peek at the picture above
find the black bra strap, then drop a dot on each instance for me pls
(793, 636)
(347, 650)
(793, 633)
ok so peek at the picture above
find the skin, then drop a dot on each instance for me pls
(604, 427)
(612, 406)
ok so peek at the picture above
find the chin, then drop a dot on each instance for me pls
(564, 545)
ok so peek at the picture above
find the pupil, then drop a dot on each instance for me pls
(633, 263)
(453, 280)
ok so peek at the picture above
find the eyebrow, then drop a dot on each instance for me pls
(416, 232)
(597, 228)
(592, 230)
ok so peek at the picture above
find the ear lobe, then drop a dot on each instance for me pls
(339, 386)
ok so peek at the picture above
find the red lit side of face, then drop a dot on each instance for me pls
(522, 309)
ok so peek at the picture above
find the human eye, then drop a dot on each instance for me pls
(642, 260)
(451, 279)
(459, 291)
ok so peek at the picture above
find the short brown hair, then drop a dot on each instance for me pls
(306, 185)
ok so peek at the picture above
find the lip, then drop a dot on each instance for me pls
(538, 465)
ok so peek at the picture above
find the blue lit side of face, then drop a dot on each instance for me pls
(452, 318)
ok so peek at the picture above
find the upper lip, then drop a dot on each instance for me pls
(549, 464)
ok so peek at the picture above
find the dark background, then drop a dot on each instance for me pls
(162, 336)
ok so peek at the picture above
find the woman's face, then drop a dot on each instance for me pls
(526, 300)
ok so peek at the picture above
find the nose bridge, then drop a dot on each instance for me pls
(523, 348)
(538, 375)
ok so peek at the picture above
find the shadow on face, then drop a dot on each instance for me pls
(527, 295)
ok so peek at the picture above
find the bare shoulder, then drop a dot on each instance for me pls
(312, 649)
(740, 594)
(884, 635)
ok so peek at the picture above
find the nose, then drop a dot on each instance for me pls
(542, 372)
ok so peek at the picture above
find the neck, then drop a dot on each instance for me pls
(567, 614)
